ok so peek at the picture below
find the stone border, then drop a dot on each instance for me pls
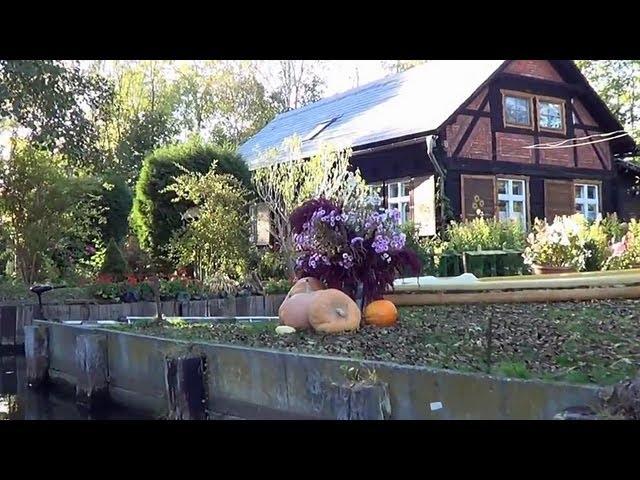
(268, 384)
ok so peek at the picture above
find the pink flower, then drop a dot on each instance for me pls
(618, 249)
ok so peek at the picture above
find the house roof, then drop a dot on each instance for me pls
(415, 101)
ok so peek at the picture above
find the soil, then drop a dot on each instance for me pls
(579, 342)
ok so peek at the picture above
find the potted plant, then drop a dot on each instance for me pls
(558, 247)
(351, 249)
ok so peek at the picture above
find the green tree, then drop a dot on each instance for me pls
(215, 240)
(155, 215)
(140, 116)
(46, 215)
(114, 262)
(58, 104)
(618, 83)
(293, 83)
(115, 201)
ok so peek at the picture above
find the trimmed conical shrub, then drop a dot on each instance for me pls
(114, 262)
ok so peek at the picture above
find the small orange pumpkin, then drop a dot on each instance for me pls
(332, 311)
(381, 313)
(306, 285)
(294, 311)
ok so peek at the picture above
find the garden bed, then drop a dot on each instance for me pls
(582, 342)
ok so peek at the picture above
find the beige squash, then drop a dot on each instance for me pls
(332, 311)
(306, 285)
(294, 311)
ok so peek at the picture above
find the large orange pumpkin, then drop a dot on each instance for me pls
(306, 285)
(294, 311)
(332, 311)
(381, 313)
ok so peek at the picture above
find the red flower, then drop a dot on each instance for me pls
(105, 278)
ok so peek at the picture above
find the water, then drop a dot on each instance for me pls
(17, 402)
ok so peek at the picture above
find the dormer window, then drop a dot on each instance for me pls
(517, 110)
(551, 115)
(318, 128)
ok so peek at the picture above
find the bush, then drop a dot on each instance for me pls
(626, 254)
(271, 265)
(275, 287)
(116, 200)
(155, 216)
(484, 234)
(114, 262)
(559, 244)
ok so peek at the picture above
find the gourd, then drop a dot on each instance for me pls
(294, 311)
(306, 285)
(381, 313)
(332, 311)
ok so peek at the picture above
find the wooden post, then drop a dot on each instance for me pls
(369, 402)
(92, 388)
(36, 350)
(185, 388)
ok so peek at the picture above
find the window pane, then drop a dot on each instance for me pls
(517, 110)
(550, 115)
(502, 187)
(502, 206)
(404, 189)
(579, 208)
(405, 212)
(518, 207)
(591, 212)
(517, 187)
(591, 191)
(393, 190)
(578, 191)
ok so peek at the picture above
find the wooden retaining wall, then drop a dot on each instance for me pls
(14, 317)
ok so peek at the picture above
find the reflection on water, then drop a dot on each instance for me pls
(17, 402)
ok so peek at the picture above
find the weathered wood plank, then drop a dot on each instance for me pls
(36, 350)
(92, 381)
(272, 304)
(185, 388)
(8, 324)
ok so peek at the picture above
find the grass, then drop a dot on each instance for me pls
(596, 342)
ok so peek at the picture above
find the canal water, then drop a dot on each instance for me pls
(18, 402)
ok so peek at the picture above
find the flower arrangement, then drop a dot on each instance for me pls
(347, 246)
(559, 244)
(625, 253)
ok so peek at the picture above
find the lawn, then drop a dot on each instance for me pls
(579, 342)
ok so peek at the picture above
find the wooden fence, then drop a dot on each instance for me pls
(14, 317)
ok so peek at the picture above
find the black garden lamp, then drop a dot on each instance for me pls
(39, 290)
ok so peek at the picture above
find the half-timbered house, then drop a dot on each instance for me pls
(515, 139)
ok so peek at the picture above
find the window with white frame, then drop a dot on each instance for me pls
(398, 197)
(587, 200)
(512, 203)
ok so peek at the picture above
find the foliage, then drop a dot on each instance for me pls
(114, 262)
(115, 201)
(397, 66)
(271, 265)
(484, 234)
(277, 286)
(216, 236)
(47, 216)
(156, 216)
(284, 186)
(599, 237)
(294, 83)
(58, 104)
(560, 244)
(345, 246)
(618, 84)
(626, 253)
(138, 260)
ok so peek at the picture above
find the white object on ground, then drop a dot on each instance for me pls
(464, 279)
(284, 329)
(436, 406)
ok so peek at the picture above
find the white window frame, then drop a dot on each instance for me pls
(510, 199)
(400, 200)
(583, 201)
(394, 202)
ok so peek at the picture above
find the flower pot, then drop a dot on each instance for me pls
(546, 270)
